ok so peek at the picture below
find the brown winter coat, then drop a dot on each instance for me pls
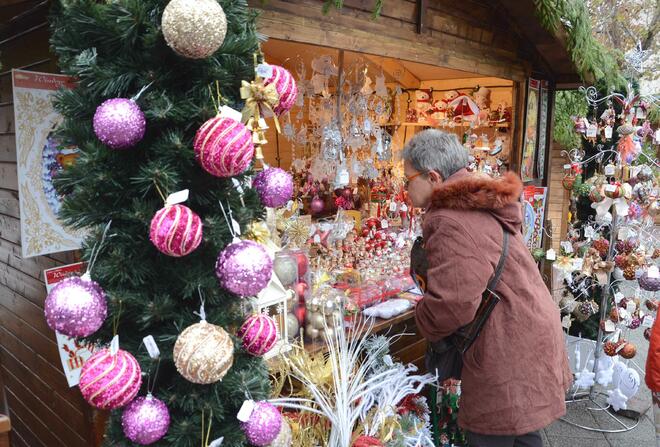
(516, 374)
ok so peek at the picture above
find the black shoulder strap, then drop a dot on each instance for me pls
(500, 265)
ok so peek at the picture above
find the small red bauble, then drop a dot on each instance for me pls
(628, 351)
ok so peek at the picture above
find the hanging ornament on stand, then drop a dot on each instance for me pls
(175, 229)
(194, 28)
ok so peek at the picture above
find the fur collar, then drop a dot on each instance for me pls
(477, 191)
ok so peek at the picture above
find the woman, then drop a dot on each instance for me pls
(652, 376)
(516, 373)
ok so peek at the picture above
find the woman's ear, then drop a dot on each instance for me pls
(434, 177)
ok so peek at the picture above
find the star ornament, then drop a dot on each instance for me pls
(585, 379)
(636, 57)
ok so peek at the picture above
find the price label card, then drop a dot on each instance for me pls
(592, 131)
(567, 246)
(618, 297)
(648, 321)
(384, 224)
(264, 71)
(177, 197)
(578, 263)
(608, 132)
(404, 208)
(622, 235)
(640, 113)
(610, 188)
(228, 112)
(151, 346)
(246, 411)
(551, 255)
(393, 206)
(567, 166)
(114, 345)
(653, 272)
(589, 232)
(656, 137)
(631, 307)
(610, 169)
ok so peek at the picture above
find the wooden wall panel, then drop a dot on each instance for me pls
(44, 411)
(558, 197)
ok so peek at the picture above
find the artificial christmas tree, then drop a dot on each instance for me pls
(117, 50)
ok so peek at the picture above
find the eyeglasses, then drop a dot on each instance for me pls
(413, 177)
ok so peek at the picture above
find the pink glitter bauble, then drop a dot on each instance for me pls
(223, 147)
(110, 381)
(317, 205)
(119, 123)
(264, 424)
(286, 87)
(176, 230)
(76, 307)
(244, 268)
(145, 420)
(274, 186)
(259, 334)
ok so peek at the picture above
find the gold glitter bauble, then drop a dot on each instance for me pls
(194, 28)
(284, 437)
(203, 353)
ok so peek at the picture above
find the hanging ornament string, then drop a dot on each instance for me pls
(115, 319)
(142, 90)
(202, 313)
(160, 192)
(206, 436)
(217, 99)
(97, 249)
(232, 224)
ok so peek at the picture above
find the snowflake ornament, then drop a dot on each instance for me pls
(617, 399)
(585, 379)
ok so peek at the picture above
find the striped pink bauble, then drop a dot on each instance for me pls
(110, 381)
(259, 334)
(223, 147)
(286, 87)
(176, 230)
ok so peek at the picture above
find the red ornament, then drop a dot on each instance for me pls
(628, 351)
(300, 289)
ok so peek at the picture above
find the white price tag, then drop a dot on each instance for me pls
(622, 235)
(578, 263)
(566, 322)
(567, 166)
(608, 132)
(653, 272)
(264, 71)
(610, 326)
(567, 246)
(618, 297)
(592, 131)
(648, 321)
(317, 239)
(218, 442)
(237, 185)
(289, 205)
(393, 207)
(551, 255)
(589, 232)
(228, 112)
(177, 197)
(151, 346)
(114, 345)
(235, 225)
(404, 208)
(246, 411)
(640, 113)
(384, 224)
(610, 188)
(657, 136)
(631, 307)
(343, 177)
(610, 169)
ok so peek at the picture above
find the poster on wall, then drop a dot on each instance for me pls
(73, 352)
(534, 198)
(543, 130)
(40, 156)
(531, 131)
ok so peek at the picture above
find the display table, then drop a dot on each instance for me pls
(5, 427)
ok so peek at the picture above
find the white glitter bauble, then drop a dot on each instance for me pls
(194, 28)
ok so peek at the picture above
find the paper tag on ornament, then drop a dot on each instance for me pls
(622, 235)
(610, 326)
(236, 227)
(404, 208)
(344, 177)
(656, 137)
(610, 169)
(317, 239)
(177, 197)
(578, 263)
(608, 132)
(618, 297)
(151, 346)
(610, 188)
(589, 232)
(619, 348)
(393, 207)
(653, 272)
(592, 131)
(567, 167)
(648, 320)
(567, 246)
(631, 307)
(237, 185)
(228, 112)
(640, 113)
(246, 411)
(218, 442)
(114, 345)
(384, 224)
(264, 71)
(551, 255)
(566, 322)
(262, 124)
(289, 205)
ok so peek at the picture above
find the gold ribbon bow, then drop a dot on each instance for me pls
(257, 95)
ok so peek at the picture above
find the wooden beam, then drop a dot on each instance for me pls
(421, 15)
(396, 70)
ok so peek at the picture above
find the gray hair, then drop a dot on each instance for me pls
(435, 150)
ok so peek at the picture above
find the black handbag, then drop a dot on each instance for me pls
(444, 358)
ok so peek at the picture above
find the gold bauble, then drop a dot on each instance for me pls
(203, 353)
(194, 28)
(284, 437)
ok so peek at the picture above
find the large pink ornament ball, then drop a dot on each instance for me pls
(259, 334)
(145, 420)
(264, 424)
(286, 88)
(176, 230)
(119, 123)
(244, 268)
(76, 307)
(110, 381)
(223, 147)
(274, 186)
